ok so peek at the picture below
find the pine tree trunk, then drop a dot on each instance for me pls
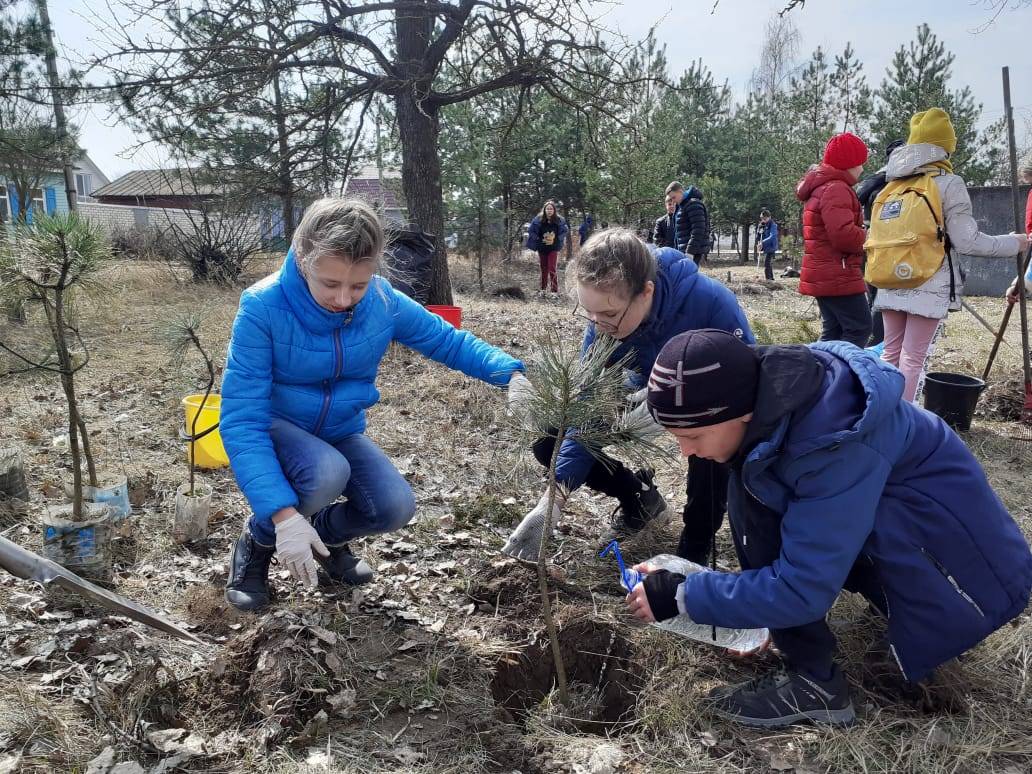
(419, 127)
(743, 246)
(54, 80)
(284, 181)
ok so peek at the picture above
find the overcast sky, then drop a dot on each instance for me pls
(727, 40)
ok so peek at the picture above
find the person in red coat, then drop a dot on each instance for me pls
(833, 241)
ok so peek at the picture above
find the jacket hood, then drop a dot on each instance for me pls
(819, 175)
(822, 378)
(692, 193)
(906, 161)
(674, 276)
(308, 312)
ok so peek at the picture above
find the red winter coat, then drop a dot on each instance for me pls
(833, 234)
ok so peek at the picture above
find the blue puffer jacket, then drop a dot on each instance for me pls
(769, 238)
(292, 359)
(684, 300)
(850, 474)
(534, 235)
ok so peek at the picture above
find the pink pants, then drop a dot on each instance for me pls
(907, 338)
(549, 260)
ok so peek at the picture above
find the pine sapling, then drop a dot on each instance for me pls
(582, 397)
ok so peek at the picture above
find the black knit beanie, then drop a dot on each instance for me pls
(702, 378)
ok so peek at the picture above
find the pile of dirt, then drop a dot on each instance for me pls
(1002, 401)
(278, 677)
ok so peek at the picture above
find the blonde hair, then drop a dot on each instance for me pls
(615, 260)
(348, 229)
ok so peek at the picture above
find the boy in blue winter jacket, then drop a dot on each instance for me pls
(836, 484)
(306, 346)
(769, 241)
(642, 296)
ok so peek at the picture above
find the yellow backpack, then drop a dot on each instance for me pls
(907, 240)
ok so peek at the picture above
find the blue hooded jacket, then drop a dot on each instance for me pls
(684, 300)
(290, 358)
(534, 235)
(769, 238)
(850, 473)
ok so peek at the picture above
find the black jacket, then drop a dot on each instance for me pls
(663, 231)
(692, 224)
(867, 191)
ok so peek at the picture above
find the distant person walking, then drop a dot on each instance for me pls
(833, 241)
(768, 239)
(663, 231)
(587, 228)
(546, 235)
(691, 221)
(923, 198)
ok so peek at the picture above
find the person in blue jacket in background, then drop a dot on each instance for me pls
(769, 242)
(836, 484)
(305, 349)
(642, 296)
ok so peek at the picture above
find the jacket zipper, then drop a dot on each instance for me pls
(338, 364)
(953, 582)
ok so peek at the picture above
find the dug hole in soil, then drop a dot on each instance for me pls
(604, 677)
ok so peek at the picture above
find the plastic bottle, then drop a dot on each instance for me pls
(732, 639)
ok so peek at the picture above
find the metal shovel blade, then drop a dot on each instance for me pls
(25, 564)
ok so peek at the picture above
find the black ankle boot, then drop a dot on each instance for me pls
(343, 567)
(248, 584)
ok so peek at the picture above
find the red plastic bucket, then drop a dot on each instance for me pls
(452, 314)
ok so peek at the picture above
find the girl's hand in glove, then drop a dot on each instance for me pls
(520, 393)
(655, 598)
(525, 541)
(295, 539)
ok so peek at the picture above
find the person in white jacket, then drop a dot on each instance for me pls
(913, 315)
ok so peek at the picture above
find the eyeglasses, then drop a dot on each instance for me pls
(605, 322)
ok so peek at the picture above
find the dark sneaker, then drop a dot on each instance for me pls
(639, 509)
(783, 697)
(248, 585)
(343, 567)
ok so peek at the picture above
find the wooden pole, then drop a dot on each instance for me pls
(1020, 228)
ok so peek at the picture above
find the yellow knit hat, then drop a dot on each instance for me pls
(933, 126)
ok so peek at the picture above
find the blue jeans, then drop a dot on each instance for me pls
(379, 499)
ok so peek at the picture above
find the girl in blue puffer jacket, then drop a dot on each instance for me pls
(306, 347)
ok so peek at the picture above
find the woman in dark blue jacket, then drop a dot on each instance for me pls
(306, 346)
(546, 236)
(642, 296)
(836, 484)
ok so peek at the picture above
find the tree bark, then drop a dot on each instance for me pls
(284, 180)
(419, 127)
(743, 246)
(50, 57)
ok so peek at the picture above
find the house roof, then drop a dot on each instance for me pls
(366, 185)
(158, 182)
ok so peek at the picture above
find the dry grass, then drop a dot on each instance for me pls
(420, 646)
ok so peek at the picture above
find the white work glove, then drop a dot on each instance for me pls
(525, 541)
(295, 539)
(638, 418)
(521, 391)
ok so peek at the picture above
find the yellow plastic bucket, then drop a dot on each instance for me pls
(208, 451)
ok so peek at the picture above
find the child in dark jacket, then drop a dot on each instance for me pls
(546, 236)
(769, 242)
(691, 221)
(642, 297)
(835, 484)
